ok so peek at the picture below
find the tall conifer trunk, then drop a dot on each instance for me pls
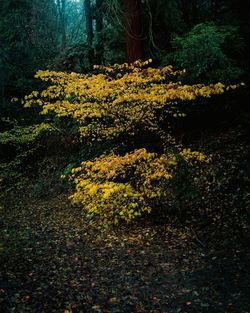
(99, 15)
(88, 22)
(63, 13)
(134, 43)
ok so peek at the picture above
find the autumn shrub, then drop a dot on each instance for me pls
(122, 105)
(124, 187)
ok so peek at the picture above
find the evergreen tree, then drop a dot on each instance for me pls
(28, 42)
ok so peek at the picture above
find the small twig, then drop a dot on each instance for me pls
(204, 245)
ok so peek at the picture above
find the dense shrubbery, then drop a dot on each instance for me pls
(123, 104)
(204, 53)
(123, 187)
(18, 147)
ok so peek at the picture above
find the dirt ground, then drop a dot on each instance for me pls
(53, 261)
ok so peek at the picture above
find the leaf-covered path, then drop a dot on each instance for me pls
(52, 261)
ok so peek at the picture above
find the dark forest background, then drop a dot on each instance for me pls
(210, 38)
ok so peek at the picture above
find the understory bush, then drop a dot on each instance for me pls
(18, 148)
(123, 187)
(133, 108)
(204, 53)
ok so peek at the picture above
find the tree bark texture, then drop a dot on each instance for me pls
(134, 42)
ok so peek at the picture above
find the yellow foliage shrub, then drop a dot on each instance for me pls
(123, 187)
(120, 187)
(117, 102)
(122, 100)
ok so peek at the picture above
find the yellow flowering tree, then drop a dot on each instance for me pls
(124, 104)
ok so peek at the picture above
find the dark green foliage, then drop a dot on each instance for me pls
(75, 58)
(19, 148)
(164, 20)
(28, 41)
(48, 181)
(202, 52)
(114, 44)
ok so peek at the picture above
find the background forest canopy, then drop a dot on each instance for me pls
(210, 37)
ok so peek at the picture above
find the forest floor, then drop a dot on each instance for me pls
(52, 261)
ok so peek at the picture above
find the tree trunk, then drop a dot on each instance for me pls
(61, 5)
(99, 28)
(134, 44)
(63, 25)
(99, 15)
(88, 22)
(89, 31)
